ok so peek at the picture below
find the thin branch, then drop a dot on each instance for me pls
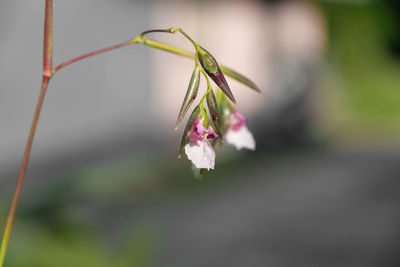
(103, 50)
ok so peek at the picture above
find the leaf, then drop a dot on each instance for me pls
(191, 94)
(210, 65)
(240, 78)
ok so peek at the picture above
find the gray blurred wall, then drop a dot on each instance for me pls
(94, 103)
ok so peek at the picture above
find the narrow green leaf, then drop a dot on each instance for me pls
(240, 78)
(191, 94)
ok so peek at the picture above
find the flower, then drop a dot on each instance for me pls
(237, 133)
(199, 149)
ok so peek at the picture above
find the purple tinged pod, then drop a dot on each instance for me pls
(211, 67)
(214, 112)
(191, 94)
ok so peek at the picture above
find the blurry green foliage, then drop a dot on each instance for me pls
(366, 77)
(35, 246)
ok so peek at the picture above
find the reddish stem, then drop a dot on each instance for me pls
(93, 53)
(48, 39)
(47, 73)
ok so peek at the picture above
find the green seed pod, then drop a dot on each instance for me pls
(185, 138)
(191, 94)
(214, 112)
(212, 69)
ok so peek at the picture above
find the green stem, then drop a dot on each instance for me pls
(172, 30)
(176, 29)
(209, 88)
(165, 47)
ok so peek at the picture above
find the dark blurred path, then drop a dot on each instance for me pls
(328, 209)
(319, 208)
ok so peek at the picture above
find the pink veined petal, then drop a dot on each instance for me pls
(211, 134)
(238, 121)
(201, 154)
(197, 131)
(241, 138)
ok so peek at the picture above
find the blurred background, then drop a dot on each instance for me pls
(105, 187)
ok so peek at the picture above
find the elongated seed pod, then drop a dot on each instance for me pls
(210, 65)
(191, 94)
(214, 112)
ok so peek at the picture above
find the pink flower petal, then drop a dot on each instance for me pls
(241, 138)
(201, 154)
(238, 121)
(211, 134)
(197, 131)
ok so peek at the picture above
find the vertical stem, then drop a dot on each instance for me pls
(47, 73)
(17, 191)
(48, 39)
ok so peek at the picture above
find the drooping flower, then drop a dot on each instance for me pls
(237, 133)
(199, 149)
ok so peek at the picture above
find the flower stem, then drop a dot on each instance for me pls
(48, 39)
(93, 53)
(165, 47)
(209, 87)
(17, 192)
(47, 67)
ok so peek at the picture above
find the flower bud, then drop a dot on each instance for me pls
(211, 67)
(191, 94)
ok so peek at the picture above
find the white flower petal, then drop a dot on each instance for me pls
(241, 138)
(201, 154)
